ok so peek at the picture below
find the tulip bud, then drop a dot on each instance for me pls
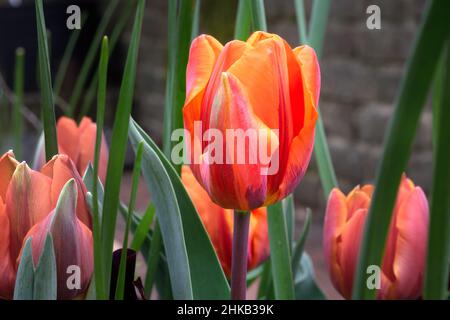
(268, 92)
(218, 223)
(402, 269)
(72, 242)
(77, 142)
(61, 169)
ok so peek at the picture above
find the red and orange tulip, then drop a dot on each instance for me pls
(260, 84)
(219, 225)
(78, 142)
(27, 197)
(404, 260)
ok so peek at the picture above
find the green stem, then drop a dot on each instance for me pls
(19, 74)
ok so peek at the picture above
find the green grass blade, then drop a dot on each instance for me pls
(179, 43)
(265, 289)
(100, 288)
(318, 24)
(90, 57)
(280, 255)
(153, 260)
(17, 118)
(300, 245)
(243, 24)
(196, 19)
(142, 228)
(258, 15)
(47, 102)
(301, 20)
(289, 213)
(437, 274)
(413, 92)
(115, 36)
(123, 256)
(119, 144)
(67, 56)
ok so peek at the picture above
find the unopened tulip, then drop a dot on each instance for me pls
(27, 197)
(402, 270)
(263, 87)
(219, 225)
(72, 243)
(78, 142)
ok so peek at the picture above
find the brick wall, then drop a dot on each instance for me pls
(361, 72)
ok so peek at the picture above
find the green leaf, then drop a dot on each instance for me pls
(318, 24)
(119, 144)
(47, 103)
(123, 257)
(204, 264)
(306, 287)
(265, 290)
(153, 260)
(142, 228)
(258, 15)
(301, 20)
(17, 118)
(413, 92)
(23, 288)
(280, 255)
(437, 274)
(180, 33)
(300, 245)
(243, 24)
(45, 286)
(289, 213)
(90, 57)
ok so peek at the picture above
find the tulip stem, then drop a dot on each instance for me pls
(239, 256)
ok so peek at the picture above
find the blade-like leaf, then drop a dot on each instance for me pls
(45, 286)
(243, 24)
(306, 287)
(203, 260)
(142, 228)
(280, 255)
(17, 118)
(258, 15)
(119, 144)
(47, 102)
(413, 92)
(153, 260)
(23, 289)
(300, 245)
(301, 20)
(437, 274)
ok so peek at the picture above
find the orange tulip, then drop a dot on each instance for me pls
(78, 142)
(72, 242)
(261, 85)
(27, 197)
(219, 225)
(403, 264)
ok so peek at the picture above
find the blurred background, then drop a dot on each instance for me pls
(361, 72)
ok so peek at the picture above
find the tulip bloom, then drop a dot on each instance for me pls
(27, 197)
(403, 264)
(72, 242)
(219, 225)
(78, 142)
(263, 86)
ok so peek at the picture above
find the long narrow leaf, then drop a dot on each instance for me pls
(45, 286)
(301, 20)
(90, 57)
(258, 15)
(17, 118)
(142, 228)
(413, 91)
(436, 280)
(153, 260)
(243, 24)
(119, 144)
(47, 102)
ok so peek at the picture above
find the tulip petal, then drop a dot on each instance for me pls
(27, 203)
(6, 265)
(356, 200)
(307, 59)
(72, 242)
(68, 138)
(7, 166)
(412, 235)
(88, 134)
(61, 169)
(350, 239)
(335, 218)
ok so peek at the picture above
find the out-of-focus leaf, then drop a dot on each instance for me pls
(243, 24)
(23, 289)
(45, 287)
(306, 287)
(17, 118)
